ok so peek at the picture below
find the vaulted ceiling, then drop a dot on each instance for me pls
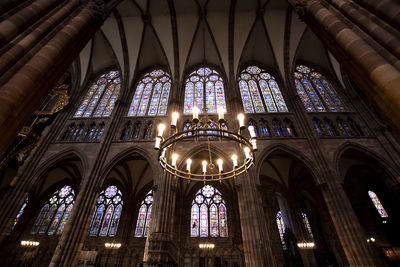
(181, 34)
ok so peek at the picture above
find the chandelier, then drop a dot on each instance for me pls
(241, 161)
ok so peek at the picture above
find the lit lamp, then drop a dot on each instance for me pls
(174, 119)
(188, 163)
(221, 112)
(241, 121)
(247, 152)
(204, 163)
(174, 158)
(254, 144)
(252, 131)
(196, 112)
(161, 128)
(220, 167)
(234, 161)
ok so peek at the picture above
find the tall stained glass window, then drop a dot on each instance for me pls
(144, 216)
(316, 92)
(151, 95)
(107, 213)
(208, 214)
(20, 212)
(281, 228)
(55, 212)
(307, 226)
(101, 97)
(378, 205)
(204, 89)
(260, 92)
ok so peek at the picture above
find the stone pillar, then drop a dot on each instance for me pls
(23, 93)
(13, 25)
(11, 56)
(255, 232)
(388, 10)
(159, 245)
(379, 78)
(348, 229)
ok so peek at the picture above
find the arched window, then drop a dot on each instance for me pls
(264, 128)
(144, 215)
(153, 88)
(374, 198)
(55, 212)
(204, 89)
(260, 92)
(101, 97)
(107, 213)
(316, 92)
(281, 228)
(20, 212)
(208, 214)
(307, 226)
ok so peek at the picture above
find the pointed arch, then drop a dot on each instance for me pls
(144, 215)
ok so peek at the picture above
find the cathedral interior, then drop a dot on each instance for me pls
(200, 133)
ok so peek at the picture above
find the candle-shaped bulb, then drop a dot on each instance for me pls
(219, 162)
(161, 128)
(254, 144)
(247, 152)
(220, 112)
(188, 163)
(158, 143)
(163, 153)
(204, 163)
(174, 118)
(252, 131)
(241, 120)
(196, 112)
(174, 158)
(234, 160)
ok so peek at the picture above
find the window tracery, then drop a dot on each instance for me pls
(144, 215)
(101, 97)
(260, 92)
(208, 214)
(107, 213)
(151, 95)
(316, 92)
(204, 89)
(55, 212)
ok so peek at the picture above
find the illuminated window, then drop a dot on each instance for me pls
(377, 203)
(281, 228)
(144, 216)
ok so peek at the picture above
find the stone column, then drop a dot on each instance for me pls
(23, 93)
(348, 229)
(159, 246)
(255, 232)
(379, 78)
(388, 10)
(11, 56)
(13, 25)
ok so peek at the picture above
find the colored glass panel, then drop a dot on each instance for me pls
(210, 97)
(110, 106)
(65, 218)
(223, 226)
(257, 103)
(334, 95)
(304, 97)
(203, 221)
(313, 95)
(104, 101)
(39, 219)
(280, 102)
(162, 109)
(146, 229)
(244, 91)
(86, 100)
(198, 99)
(136, 100)
(213, 220)
(145, 100)
(220, 95)
(115, 221)
(378, 205)
(96, 220)
(281, 228)
(307, 226)
(267, 96)
(111, 191)
(56, 220)
(141, 221)
(94, 100)
(47, 219)
(155, 99)
(189, 97)
(106, 221)
(321, 90)
(194, 232)
(16, 220)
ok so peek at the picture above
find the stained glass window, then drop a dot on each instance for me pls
(101, 97)
(144, 216)
(378, 205)
(204, 89)
(151, 95)
(55, 212)
(208, 214)
(316, 92)
(307, 226)
(260, 92)
(281, 228)
(107, 213)
(20, 212)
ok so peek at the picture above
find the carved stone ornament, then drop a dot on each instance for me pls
(300, 6)
(98, 7)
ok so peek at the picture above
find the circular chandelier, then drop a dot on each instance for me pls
(167, 146)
